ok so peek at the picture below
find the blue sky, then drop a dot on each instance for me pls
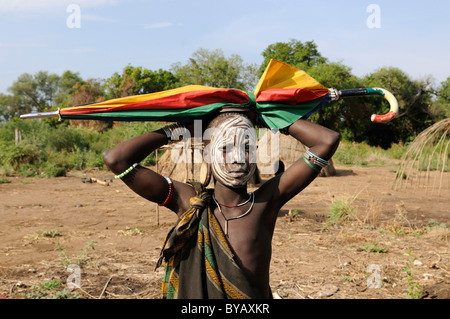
(34, 34)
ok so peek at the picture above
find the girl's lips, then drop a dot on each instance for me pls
(237, 173)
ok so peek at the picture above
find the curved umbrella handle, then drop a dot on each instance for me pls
(371, 91)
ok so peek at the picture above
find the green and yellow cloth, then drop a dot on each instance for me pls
(198, 259)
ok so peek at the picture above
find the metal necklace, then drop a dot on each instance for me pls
(238, 205)
(252, 197)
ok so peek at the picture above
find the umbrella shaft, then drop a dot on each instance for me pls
(354, 92)
(40, 115)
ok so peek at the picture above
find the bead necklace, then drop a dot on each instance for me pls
(252, 196)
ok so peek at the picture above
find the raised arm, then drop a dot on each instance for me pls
(143, 181)
(322, 142)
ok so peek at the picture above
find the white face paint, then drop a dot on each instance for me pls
(233, 151)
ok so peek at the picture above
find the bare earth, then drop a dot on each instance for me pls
(47, 224)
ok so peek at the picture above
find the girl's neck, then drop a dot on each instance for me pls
(230, 196)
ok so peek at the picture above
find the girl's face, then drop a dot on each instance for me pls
(233, 151)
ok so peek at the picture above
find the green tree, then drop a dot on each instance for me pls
(212, 68)
(35, 92)
(296, 53)
(345, 116)
(444, 92)
(415, 112)
(84, 92)
(10, 106)
(351, 116)
(138, 80)
(64, 92)
(441, 106)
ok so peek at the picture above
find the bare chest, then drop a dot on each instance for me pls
(249, 235)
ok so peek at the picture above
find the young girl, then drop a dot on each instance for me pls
(221, 245)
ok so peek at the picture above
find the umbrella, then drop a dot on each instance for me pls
(283, 95)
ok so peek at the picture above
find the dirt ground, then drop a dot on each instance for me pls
(115, 237)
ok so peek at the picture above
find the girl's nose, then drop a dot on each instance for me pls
(238, 156)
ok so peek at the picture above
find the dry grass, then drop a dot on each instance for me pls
(429, 151)
(373, 207)
(400, 225)
(439, 233)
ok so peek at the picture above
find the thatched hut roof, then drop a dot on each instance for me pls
(289, 150)
(425, 163)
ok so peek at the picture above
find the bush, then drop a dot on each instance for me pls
(51, 150)
(358, 154)
(362, 154)
(21, 154)
(54, 170)
(68, 139)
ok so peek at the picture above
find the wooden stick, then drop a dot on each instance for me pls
(104, 288)
(157, 171)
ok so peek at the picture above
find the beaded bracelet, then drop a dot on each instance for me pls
(310, 165)
(316, 159)
(169, 195)
(127, 171)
